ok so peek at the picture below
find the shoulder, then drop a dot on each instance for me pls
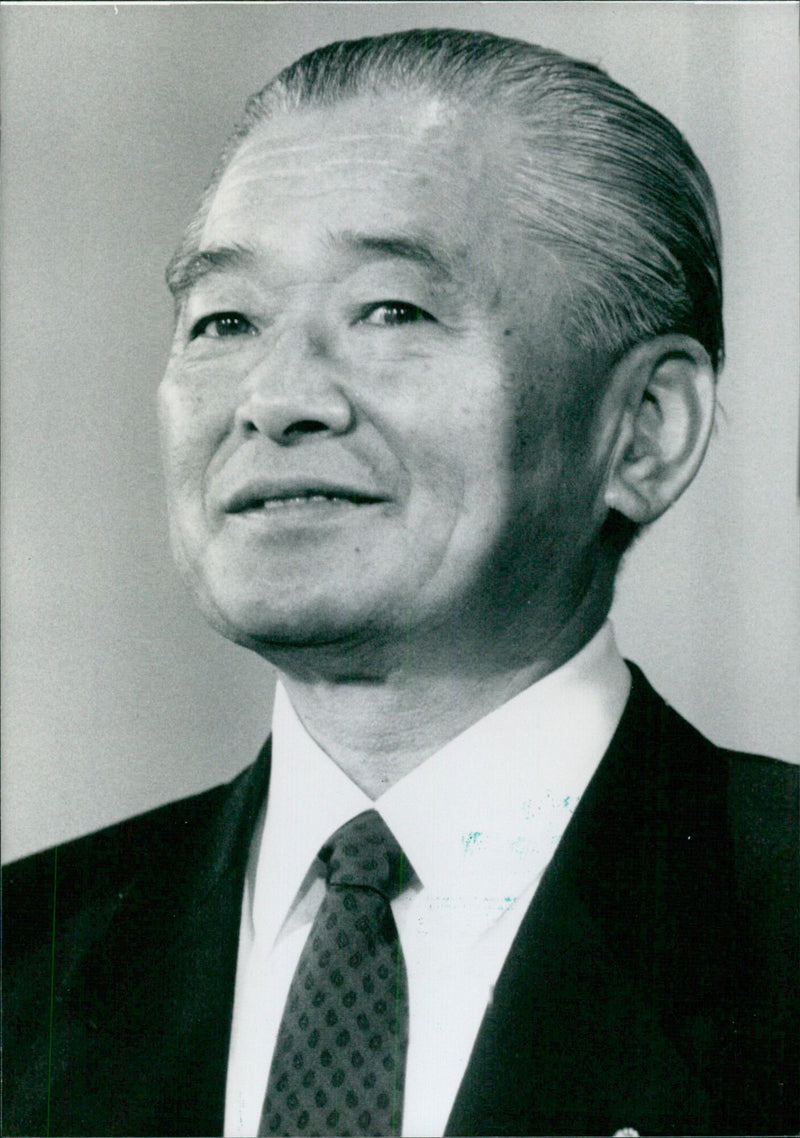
(745, 807)
(764, 797)
(92, 876)
(100, 934)
(95, 861)
(760, 788)
(748, 808)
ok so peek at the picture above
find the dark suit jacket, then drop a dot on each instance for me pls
(650, 984)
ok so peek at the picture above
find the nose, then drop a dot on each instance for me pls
(294, 393)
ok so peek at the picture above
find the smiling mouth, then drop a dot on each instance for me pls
(300, 499)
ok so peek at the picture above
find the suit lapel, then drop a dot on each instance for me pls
(167, 968)
(585, 1033)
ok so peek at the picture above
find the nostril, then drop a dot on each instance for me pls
(304, 427)
(289, 416)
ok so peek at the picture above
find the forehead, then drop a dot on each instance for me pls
(395, 162)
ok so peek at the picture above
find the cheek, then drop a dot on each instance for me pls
(473, 469)
(450, 442)
(558, 468)
(192, 422)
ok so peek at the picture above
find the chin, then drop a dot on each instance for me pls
(262, 624)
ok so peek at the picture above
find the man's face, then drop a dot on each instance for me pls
(363, 415)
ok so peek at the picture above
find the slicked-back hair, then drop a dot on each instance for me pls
(602, 180)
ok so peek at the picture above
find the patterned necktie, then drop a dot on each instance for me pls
(340, 1057)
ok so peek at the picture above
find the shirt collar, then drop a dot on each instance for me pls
(309, 798)
(478, 820)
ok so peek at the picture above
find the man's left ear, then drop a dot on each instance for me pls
(660, 402)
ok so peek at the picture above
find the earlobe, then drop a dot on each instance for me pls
(660, 402)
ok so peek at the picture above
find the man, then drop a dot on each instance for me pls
(448, 330)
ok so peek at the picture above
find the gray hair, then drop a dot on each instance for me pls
(605, 182)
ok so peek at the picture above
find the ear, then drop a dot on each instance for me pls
(659, 404)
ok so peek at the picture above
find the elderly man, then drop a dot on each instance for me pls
(448, 329)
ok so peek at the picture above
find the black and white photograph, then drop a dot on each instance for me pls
(400, 579)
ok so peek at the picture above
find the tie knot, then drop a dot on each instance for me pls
(364, 852)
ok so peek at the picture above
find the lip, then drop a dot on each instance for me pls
(260, 494)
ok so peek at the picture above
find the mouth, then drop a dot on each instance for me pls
(259, 500)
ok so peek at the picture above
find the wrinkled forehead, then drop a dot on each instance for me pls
(383, 130)
(408, 159)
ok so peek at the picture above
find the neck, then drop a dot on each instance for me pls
(379, 726)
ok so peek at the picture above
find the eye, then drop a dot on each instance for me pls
(392, 313)
(221, 325)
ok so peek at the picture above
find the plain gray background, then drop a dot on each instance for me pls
(115, 695)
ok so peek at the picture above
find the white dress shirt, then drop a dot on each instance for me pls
(478, 821)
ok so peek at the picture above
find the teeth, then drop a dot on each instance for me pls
(303, 498)
(277, 503)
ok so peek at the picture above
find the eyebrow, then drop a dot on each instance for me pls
(188, 268)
